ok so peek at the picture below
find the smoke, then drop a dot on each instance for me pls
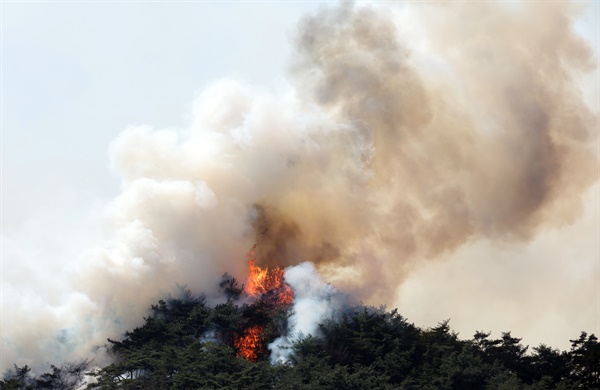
(314, 302)
(500, 148)
(409, 133)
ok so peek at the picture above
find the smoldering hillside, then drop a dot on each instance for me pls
(409, 132)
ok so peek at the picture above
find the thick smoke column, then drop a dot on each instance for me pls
(395, 147)
(486, 138)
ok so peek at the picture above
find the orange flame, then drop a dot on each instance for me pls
(263, 280)
(250, 343)
(269, 285)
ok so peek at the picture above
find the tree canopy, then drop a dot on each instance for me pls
(187, 344)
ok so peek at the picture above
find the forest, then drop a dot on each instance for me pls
(185, 343)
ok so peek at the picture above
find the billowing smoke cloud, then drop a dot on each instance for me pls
(314, 302)
(497, 148)
(409, 132)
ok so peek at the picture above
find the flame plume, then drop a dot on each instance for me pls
(267, 282)
(273, 294)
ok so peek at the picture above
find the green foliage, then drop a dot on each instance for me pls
(585, 361)
(230, 287)
(68, 376)
(550, 363)
(187, 344)
(17, 379)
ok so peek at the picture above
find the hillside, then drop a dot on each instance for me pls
(186, 343)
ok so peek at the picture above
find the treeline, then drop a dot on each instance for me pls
(188, 344)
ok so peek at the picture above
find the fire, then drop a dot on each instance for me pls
(262, 281)
(269, 286)
(250, 343)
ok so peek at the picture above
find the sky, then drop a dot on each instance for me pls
(75, 75)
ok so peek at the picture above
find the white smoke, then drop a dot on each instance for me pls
(314, 302)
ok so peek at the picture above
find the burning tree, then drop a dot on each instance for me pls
(272, 297)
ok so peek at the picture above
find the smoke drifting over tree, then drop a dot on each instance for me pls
(409, 132)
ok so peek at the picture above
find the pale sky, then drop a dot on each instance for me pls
(76, 74)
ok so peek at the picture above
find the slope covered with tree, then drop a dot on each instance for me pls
(187, 344)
